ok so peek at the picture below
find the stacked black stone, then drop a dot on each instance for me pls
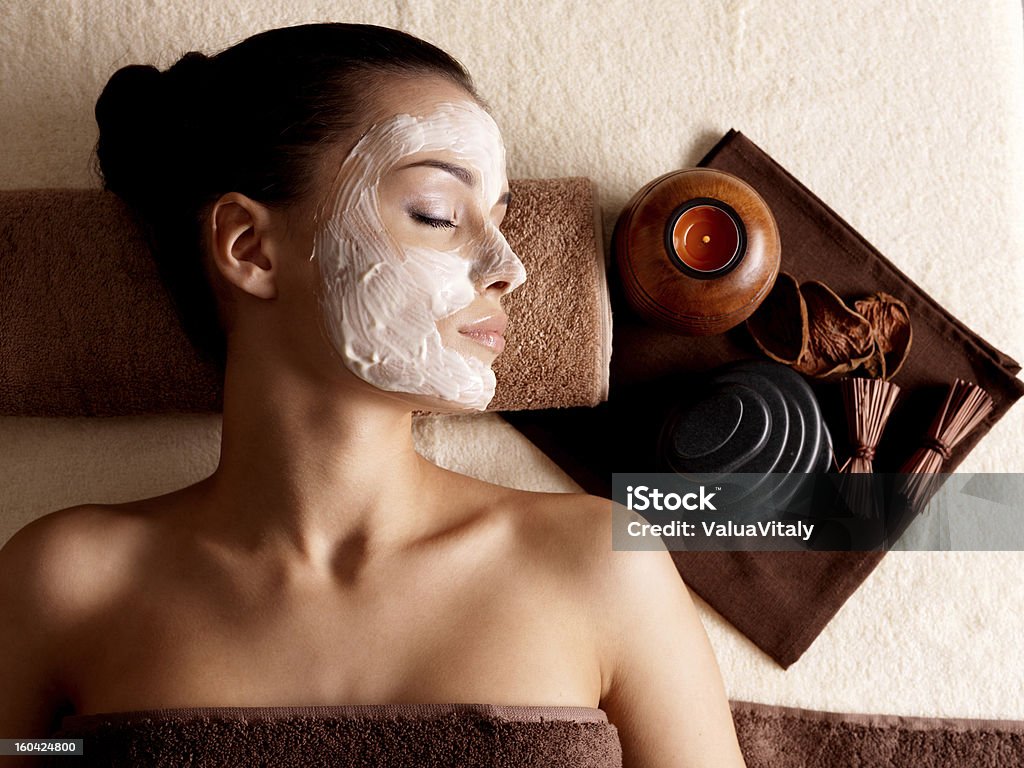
(757, 418)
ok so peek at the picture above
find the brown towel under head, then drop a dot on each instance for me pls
(87, 328)
(393, 735)
(559, 343)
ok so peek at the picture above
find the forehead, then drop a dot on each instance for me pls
(462, 128)
(434, 100)
(413, 119)
(416, 95)
(460, 133)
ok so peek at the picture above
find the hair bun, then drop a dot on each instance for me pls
(190, 69)
(129, 116)
(141, 115)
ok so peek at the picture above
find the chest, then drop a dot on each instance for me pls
(415, 636)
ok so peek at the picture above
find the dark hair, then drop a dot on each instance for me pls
(254, 119)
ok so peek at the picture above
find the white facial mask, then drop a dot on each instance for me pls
(381, 302)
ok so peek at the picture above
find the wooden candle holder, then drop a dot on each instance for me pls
(667, 278)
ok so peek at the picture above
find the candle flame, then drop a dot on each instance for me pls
(706, 239)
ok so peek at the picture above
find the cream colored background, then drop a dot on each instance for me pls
(904, 116)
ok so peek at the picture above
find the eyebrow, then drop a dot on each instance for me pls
(462, 174)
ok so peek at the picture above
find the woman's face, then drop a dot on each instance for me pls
(411, 261)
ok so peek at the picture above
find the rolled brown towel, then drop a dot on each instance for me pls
(87, 328)
(396, 735)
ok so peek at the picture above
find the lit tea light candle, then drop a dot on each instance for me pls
(706, 237)
(698, 250)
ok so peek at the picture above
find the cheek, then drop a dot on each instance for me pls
(427, 280)
(299, 277)
(440, 279)
(447, 327)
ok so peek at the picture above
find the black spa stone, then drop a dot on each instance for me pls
(719, 430)
(800, 399)
(825, 455)
(783, 442)
(755, 417)
(782, 448)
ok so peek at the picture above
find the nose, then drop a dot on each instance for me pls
(497, 267)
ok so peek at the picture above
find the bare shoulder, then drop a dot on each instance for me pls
(660, 681)
(54, 572)
(571, 537)
(578, 528)
(60, 562)
(572, 529)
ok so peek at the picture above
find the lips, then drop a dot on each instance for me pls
(488, 332)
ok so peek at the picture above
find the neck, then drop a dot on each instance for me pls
(309, 465)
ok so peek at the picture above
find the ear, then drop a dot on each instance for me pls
(242, 250)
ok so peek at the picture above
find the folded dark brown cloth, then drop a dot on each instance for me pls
(780, 600)
(787, 737)
(397, 736)
(87, 328)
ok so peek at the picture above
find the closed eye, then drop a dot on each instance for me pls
(430, 221)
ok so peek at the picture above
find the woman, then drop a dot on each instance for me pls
(329, 196)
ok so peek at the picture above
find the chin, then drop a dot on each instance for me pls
(426, 403)
(461, 380)
(476, 402)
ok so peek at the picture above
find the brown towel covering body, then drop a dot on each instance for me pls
(426, 735)
(87, 328)
(395, 735)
